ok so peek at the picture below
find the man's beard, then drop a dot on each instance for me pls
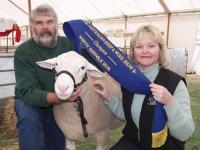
(46, 39)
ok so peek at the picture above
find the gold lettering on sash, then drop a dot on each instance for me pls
(92, 51)
(107, 43)
(100, 48)
(119, 55)
(96, 43)
(96, 55)
(112, 60)
(89, 36)
(129, 66)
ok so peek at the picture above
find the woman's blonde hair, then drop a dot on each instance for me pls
(164, 56)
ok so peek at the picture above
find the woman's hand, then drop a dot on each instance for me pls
(161, 94)
(101, 89)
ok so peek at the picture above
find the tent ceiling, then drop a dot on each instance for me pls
(94, 9)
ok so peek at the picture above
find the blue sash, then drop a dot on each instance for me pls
(110, 59)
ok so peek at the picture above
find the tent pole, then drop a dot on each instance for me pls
(168, 24)
(29, 10)
(7, 44)
(126, 18)
(168, 12)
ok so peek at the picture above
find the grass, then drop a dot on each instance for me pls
(194, 91)
(90, 145)
(9, 143)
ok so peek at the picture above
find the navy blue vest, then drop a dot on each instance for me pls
(143, 137)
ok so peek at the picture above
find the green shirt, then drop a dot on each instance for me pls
(33, 82)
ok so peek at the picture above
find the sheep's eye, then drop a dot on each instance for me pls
(82, 68)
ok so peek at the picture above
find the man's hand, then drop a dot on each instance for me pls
(74, 95)
(53, 99)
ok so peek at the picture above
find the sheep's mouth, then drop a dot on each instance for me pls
(62, 96)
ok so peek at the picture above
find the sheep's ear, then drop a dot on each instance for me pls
(93, 71)
(48, 64)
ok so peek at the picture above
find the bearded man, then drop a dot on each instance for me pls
(34, 91)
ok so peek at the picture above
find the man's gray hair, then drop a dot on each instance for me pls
(44, 10)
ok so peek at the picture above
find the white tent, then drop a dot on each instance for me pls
(96, 9)
(178, 20)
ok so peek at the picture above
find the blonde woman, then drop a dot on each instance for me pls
(162, 120)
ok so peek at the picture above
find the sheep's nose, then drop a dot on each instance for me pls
(62, 88)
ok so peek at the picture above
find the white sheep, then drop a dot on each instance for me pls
(99, 117)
